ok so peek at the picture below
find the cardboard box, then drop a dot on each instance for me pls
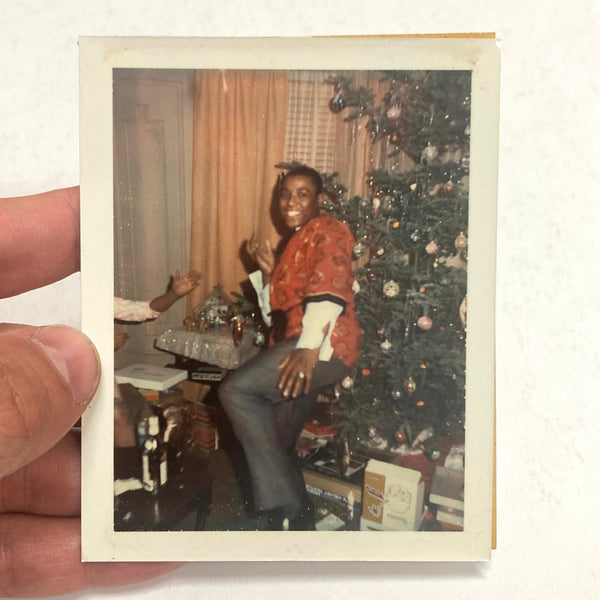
(150, 377)
(447, 488)
(331, 488)
(392, 498)
(450, 518)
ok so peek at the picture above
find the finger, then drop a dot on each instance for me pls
(177, 276)
(42, 557)
(298, 386)
(39, 240)
(285, 382)
(308, 381)
(48, 375)
(50, 485)
(285, 361)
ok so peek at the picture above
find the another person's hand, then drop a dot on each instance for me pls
(184, 285)
(296, 372)
(263, 256)
(120, 338)
(48, 375)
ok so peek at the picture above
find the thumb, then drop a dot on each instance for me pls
(48, 375)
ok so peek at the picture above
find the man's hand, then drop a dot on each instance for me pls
(296, 372)
(264, 256)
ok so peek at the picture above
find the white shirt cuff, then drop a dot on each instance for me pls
(317, 325)
(263, 295)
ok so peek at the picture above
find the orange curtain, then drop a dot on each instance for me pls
(355, 153)
(239, 136)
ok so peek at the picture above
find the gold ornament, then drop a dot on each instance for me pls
(461, 241)
(409, 385)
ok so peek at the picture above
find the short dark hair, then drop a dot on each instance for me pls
(305, 171)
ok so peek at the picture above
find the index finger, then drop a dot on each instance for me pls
(39, 240)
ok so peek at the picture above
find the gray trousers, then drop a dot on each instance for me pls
(267, 425)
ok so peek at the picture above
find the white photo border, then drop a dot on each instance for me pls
(98, 57)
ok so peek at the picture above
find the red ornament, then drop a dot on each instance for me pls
(424, 323)
(366, 372)
(400, 436)
(448, 187)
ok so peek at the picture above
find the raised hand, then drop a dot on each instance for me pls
(263, 255)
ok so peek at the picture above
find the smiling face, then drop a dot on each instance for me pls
(298, 200)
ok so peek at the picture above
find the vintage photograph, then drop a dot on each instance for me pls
(291, 240)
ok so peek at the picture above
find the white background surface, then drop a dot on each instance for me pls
(547, 280)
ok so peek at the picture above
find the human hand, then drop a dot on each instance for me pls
(184, 285)
(48, 375)
(296, 371)
(264, 256)
(120, 338)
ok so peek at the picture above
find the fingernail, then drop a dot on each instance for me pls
(74, 356)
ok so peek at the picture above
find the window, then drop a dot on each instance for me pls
(311, 126)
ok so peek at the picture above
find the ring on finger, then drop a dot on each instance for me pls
(301, 375)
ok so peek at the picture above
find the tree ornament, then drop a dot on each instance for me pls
(372, 276)
(365, 372)
(381, 332)
(400, 436)
(448, 187)
(391, 289)
(409, 385)
(393, 113)
(376, 204)
(348, 382)
(434, 454)
(413, 187)
(424, 323)
(429, 153)
(396, 394)
(355, 286)
(461, 241)
(359, 249)
(259, 338)
(415, 236)
(386, 345)
(380, 252)
(372, 431)
(337, 103)
(395, 224)
(432, 248)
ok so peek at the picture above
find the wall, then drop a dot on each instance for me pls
(547, 289)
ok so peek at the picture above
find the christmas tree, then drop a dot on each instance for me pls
(408, 389)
